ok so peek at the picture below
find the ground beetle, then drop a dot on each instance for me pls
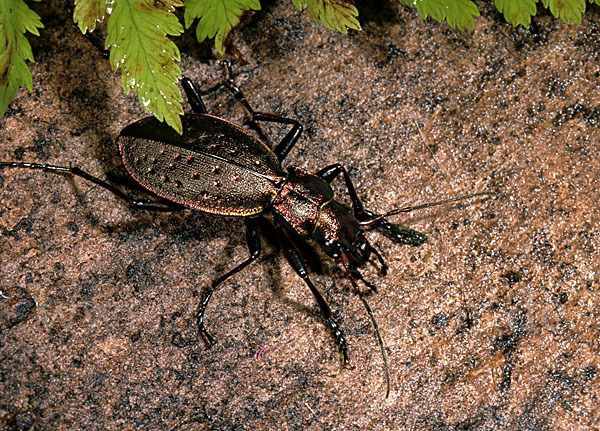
(217, 167)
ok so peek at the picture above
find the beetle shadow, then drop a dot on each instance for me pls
(185, 225)
(312, 258)
(207, 228)
(377, 12)
(269, 260)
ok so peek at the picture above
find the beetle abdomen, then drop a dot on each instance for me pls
(214, 166)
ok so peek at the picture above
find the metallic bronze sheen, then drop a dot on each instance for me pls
(213, 166)
(300, 200)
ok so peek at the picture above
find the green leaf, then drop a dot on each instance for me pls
(333, 14)
(137, 36)
(567, 10)
(88, 13)
(458, 13)
(216, 17)
(15, 19)
(517, 11)
(435, 8)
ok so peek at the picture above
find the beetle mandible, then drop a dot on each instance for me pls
(219, 168)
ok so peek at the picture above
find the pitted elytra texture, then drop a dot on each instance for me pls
(203, 166)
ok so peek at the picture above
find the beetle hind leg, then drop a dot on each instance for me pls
(253, 240)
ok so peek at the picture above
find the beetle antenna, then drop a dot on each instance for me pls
(380, 341)
(349, 276)
(371, 222)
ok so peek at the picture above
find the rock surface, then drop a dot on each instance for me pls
(492, 325)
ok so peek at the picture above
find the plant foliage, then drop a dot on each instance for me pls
(139, 46)
(458, 13)
(88, 13)
(333, 14)
(517, 11)
(138, 34)
(567, 10)
(216, 17)
(15, 19)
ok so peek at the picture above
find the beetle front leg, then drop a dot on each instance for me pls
(329, 173)
(396, 233)
(253, 239)
(294, 258)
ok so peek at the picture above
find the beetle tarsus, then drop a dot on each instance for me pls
(209, 339)
(339, 338)
(93, 38)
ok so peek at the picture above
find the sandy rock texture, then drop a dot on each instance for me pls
(492, 325)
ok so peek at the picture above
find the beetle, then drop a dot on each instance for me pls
(219, 168)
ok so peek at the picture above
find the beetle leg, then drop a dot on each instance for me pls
(383, 266)
(193, 96)
(289, 140)
(75, 171)
(283, 148)
(294, 258)
(394, 232)
(253, 239)
(358, 276)
(329, 173)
